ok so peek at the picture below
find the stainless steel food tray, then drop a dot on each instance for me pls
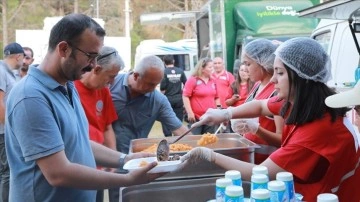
(229, 144)
(227, 141)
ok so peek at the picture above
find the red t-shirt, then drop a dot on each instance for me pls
(99, 110)
(202, 95)
(242, 92)
(266, 122)
(304, 149)
(223, 82)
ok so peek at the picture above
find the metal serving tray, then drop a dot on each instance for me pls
(226, 142)
(229, 144)
(191, 190)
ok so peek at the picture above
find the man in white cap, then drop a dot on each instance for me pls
(347, 99)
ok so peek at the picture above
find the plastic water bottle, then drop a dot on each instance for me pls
(327, 198)
(235, 177)
(260, 195)
(277, 191)
(260, 170)
(259, 181)
(234, 194)
(221, 184)
(288, 179)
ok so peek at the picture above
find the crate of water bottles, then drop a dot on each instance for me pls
(229, 189)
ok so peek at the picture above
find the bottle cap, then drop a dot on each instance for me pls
(233, 191)
(327, 198)
(259, 178)
(233, 174)
(260, 194)
(284, 176)
(260, 170)
(223, 182)
(276, 185)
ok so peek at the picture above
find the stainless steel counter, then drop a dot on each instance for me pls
(195, 190)
(195, 183)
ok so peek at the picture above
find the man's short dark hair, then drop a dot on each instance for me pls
(29, 49)
(70, 27)
(168, 59)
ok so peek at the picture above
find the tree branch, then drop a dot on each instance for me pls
(174, 5)
(16, 11)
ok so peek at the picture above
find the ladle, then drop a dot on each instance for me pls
(163, 149)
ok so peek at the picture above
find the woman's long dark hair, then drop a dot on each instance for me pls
(309, 101)
(235, 86)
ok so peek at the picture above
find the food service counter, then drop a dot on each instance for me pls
(195, 182)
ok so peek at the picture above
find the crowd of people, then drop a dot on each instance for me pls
(67, 123)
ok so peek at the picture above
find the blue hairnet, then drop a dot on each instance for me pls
(306, 57)
(262, 52)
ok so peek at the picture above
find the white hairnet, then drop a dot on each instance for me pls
(262, 52)
(306, 57)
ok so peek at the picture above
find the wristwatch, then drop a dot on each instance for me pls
(122, 160)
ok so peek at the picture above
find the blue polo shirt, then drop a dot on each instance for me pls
(137, 116)
(7, 81)
(42, 121)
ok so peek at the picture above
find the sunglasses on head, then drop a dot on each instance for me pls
(205, 61)
(106, 55)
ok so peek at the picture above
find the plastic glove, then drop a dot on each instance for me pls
(197, 154)
(243, 126)
(214, 117)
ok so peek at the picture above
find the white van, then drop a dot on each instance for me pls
(184, 52)
(334, 34)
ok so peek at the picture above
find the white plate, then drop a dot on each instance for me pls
(162, 166)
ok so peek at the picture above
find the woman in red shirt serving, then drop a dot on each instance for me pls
(200, 94)
(319, 145)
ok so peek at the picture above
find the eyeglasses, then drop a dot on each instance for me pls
(106, 55)
(91, 56)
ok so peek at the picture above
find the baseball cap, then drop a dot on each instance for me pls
(345, 99)
(13, 48)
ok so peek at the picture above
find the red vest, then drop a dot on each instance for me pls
(265, 122)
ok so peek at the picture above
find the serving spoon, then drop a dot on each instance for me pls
(163, 149)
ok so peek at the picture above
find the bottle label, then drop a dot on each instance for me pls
(237, 182)
(234, 198)
(259, 200)
(289, 191)
(278, 196)
(258, 186)
(220, 194)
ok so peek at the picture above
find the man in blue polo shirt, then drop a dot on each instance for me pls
(138, 105)
(50, 155)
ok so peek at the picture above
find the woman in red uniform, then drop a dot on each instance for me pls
(319, 145)
(258, 57)
(200, 94)
(240, 88)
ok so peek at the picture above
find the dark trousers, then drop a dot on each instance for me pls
(178, 107)
(100, 196)
(114, 192)
(4, 172)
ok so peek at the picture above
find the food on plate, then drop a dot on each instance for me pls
(173, 148)
(174, 158)
(206, 139)
(143, 163)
